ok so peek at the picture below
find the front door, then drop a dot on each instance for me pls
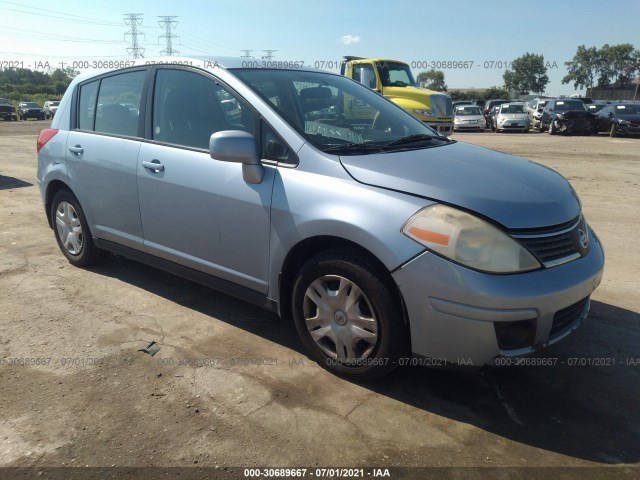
(197, 211)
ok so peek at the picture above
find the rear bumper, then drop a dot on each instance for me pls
(456, 314)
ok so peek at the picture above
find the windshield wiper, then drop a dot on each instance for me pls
(420, 137)
(353, 147)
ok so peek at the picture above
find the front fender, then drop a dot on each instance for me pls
(307, 205)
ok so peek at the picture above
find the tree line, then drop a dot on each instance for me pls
(616, 65)
(18, 84)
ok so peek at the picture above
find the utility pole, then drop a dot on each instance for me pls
(269, 54)
(168, 23)
(247, 53)
(134, 20)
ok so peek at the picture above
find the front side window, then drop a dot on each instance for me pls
(119, 102)
(188, 107)
(336, 114)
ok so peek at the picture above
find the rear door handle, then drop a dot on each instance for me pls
(76, 150)
(154, 165)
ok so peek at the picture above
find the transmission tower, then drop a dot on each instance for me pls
(247, 53)
(269, 54)
(134, 20)
(168, 23)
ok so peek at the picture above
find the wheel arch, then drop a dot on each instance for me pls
(311, 246)
(54, 187)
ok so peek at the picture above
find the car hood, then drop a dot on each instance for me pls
(509, 190)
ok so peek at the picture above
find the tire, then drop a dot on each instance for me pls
(552, 128)
(613, 131)
(72, 232)
(376, 315)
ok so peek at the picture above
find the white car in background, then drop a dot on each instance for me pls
(51, 107)
(512, 117)
(468, 117)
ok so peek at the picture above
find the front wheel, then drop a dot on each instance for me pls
(348, 316)
(552, 128)
(72, 232)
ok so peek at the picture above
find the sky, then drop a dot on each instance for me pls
(487, 35)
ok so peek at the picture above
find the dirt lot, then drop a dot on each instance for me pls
(98, 401)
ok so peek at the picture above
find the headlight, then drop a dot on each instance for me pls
(457, 120)
(624, 122)
(468, 240)
(424, 113)
(559, 116)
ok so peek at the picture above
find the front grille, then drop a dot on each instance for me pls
(548, 249)
(555, 247)
(568, 316)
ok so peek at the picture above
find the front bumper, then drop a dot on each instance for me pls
(579, 125)
(38, 115)
(516, 125)
(468, 126)
(633, 129)
(445, 129)
(455, 313)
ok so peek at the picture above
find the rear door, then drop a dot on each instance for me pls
(197, 211)
(102, 154)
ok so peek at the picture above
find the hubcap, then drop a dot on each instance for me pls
(69, 228)
(340, 318)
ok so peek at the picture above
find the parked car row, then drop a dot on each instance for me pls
(27, 110)
(555, 116)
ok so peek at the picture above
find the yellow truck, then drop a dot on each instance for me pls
(393, 79)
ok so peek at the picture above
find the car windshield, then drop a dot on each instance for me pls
(567, 105)
(395, 74)
(510, 108)
(468, 111)
(31, 105)
(628, 109)
(542, 103)
(54, 104)
(336, 114)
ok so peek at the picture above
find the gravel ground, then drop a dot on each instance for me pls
(88, 397)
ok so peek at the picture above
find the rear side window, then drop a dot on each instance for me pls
(119, 104)
(86, 113)
(189, 107)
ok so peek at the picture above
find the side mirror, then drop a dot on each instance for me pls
(239, 147)
(611, 114)
(368, 78)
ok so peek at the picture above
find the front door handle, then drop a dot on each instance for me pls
(154, 165)
(76, 150)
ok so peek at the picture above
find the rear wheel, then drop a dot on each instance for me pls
(347, 316)
(72, 232)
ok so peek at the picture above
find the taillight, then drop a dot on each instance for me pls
(45, 135)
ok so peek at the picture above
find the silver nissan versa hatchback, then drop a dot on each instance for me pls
(315, 197)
